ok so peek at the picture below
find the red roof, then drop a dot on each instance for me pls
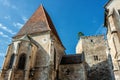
(39, 22)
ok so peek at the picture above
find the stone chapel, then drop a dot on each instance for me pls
(37, 53)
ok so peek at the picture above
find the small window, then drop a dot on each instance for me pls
(21, 63)
(119, 12)
(96, 58)
(11, 61)
(91, 40)
(67, 72)
(54, 59)
(57, 76)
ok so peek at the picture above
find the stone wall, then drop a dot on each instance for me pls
(72, 72)
(94, 48)
(48, 57)
(96, 58)
(113, 33)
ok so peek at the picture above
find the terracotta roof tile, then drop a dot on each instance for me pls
(39, 22)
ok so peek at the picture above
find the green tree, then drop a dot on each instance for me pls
(80, 34)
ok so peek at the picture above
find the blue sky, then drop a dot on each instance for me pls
(68, 16)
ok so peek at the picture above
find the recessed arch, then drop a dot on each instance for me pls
(22, 61)
(11, 61)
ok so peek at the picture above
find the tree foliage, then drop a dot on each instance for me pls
(80, 34)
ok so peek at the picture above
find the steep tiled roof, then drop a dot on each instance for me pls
(39, 22)
(72, 59)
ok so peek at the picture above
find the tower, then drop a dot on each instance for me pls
(112, 23)
(35, 51)
(96, 58)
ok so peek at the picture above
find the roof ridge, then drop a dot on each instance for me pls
(39, 22)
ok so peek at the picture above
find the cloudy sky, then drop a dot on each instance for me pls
(69, 18)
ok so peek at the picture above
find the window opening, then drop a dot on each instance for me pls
(67, 72)
(21, 63)
(95, 58)
(11, 61)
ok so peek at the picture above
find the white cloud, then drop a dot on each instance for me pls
(101, 30)
(7, 17)
(8, 4)
(3, 35)
(6, 29)
(24, 19)
(14, 7)
(2, 54)
(18, 25)
(4, 42)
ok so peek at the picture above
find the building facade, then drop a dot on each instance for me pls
(37, 53)
(112, 23)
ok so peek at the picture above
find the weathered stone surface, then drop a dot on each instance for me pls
(97, 66)
(45, 57)
(112, 22)
(72, 72)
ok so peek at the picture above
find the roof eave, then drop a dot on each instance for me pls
(107, 3)
(30, 34)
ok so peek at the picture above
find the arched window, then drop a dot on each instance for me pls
(22, 60)
(11, 61)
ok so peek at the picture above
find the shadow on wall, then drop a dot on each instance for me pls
(100, 71)
(41, 68)
(72, 67)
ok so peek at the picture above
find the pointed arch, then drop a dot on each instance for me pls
(22, 61)
(11, 61)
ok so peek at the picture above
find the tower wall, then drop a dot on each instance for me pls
(72, 72)
(112, 23)
(96, 58)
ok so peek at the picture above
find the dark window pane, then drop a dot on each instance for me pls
(11, 61)
(119, 12)
(21, 63)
